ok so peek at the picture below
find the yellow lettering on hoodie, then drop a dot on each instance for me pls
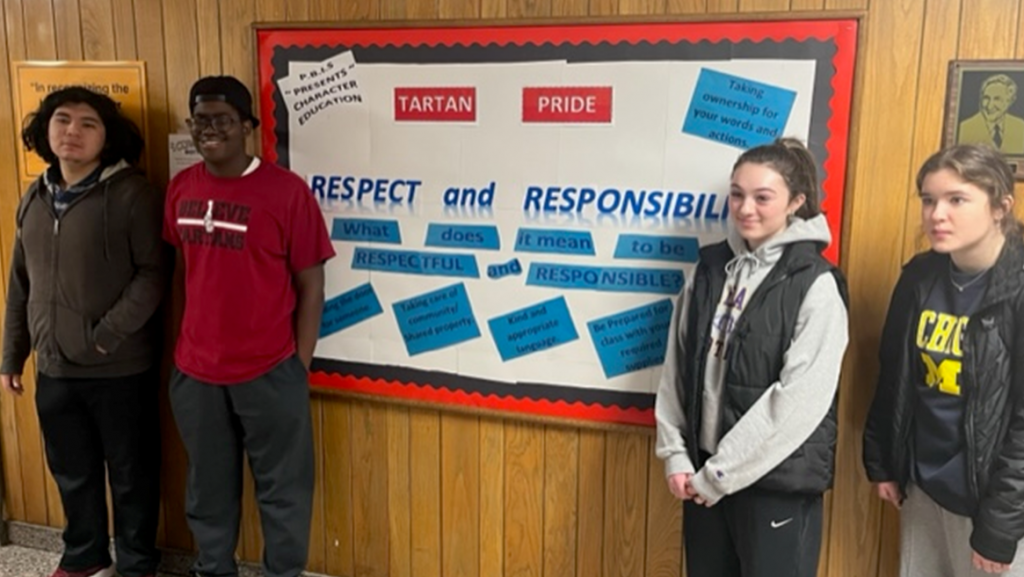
(941, 334)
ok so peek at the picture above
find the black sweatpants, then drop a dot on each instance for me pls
(753, 533)
(98, 427)
(269, 418)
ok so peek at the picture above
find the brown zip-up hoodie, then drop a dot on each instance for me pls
(90, 279)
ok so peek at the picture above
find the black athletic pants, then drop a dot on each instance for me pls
(93, 428)
(267, 417)
(753, 533)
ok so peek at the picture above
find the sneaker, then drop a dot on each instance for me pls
(107, 571)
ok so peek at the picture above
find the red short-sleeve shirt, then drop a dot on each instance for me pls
(243, 240)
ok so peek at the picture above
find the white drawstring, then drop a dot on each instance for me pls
(741, 261)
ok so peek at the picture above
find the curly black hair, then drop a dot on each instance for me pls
(123, 140)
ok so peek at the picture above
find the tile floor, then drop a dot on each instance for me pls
(23, 562)
(18, 561)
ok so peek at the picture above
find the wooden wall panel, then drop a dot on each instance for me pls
(236, 17)
(493, 9)
(529, 8)
(318, 531)
(298, 10)
(68, 29)
(604, 7)
(636, 7)
(208, 36)
(271, 11)
(988, 29)
(664, 524)
(625, 504)
(723, 6)
(763, 5)
(409, 10)
(592, 500)
(325, 10)
(10, 440)
(567, 8)
(14, 24)
(458, 9)
(460, 495)
(848, 4)
(38, 35)
(938, 46)
(425, 470)
(370, 489)
(1019, 52)
(492, 497)
(98, 39)
(149, 42)
(338, 463)
(358, 9)
(807, 5)
(182, 44)
(686, 6)
(399, 485)
(124, 29)
(524, 499)
(882, 151)
(561, 479)
(426, 493)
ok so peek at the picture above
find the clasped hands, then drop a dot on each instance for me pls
(680, 486)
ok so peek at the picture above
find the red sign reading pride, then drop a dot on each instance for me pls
(568, 104)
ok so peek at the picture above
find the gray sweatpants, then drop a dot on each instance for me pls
(269, 418)
(936, 543)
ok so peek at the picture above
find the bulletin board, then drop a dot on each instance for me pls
(516, 208)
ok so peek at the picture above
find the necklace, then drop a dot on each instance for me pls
(960, 287)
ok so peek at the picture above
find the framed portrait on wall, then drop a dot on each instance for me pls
(983, 105)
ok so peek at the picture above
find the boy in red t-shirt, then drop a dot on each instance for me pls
(251, 244)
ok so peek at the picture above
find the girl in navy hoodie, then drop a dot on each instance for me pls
(944, 439)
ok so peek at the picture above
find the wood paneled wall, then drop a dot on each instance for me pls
(426, 493)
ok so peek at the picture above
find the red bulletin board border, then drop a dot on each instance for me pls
(440, 394)
(842, 33)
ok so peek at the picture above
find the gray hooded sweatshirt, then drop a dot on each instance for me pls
(790, 409)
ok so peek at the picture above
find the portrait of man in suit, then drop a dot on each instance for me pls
(993, 123)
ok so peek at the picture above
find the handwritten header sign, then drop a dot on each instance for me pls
(516, 209)
(124, 82)
(331, 83)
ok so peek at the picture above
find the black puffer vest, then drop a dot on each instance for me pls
(755, 355)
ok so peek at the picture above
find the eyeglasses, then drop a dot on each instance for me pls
(220, 122)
